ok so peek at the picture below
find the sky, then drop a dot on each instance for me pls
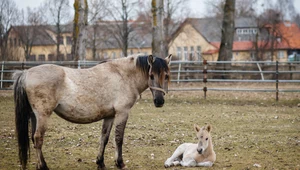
(198, 7)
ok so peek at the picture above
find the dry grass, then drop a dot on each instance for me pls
(248, 129)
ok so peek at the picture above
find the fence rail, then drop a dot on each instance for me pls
(195, 71)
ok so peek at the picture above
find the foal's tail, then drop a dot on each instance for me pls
(22, 115)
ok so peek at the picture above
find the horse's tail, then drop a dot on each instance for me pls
(22, 115)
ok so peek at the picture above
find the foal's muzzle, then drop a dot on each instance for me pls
(200, 151)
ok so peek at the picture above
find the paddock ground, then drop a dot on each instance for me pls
(250, 131)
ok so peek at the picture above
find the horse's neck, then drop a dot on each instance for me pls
(135, 75)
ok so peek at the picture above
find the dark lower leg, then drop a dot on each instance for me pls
(120, 128)
(106, 128)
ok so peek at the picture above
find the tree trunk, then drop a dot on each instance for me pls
(225, 53)
(157, 25)
(80, 34)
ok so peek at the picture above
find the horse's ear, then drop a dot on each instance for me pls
(151, 60)
(197, 128)
(168, 59)
(208, 128)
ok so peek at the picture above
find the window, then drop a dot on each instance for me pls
(69, 57)
(41, 57)
(199, 52)
(238, 31)
(50, 57)
(60, 40)
(253, 56)
(113, 55)
(32, 58)
(179, 53)
(185, 53)
(69, 40)
(280, 54)
(105, 56)
(15, 42)
(60, 57)
(192, 51)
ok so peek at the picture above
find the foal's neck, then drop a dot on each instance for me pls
(209, 149)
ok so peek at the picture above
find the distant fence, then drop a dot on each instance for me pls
(196, 71)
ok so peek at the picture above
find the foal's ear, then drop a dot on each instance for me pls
(197, 128)
(208, 128)
(150, 60)
(168, 59)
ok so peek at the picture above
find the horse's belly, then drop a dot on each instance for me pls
(83, 114)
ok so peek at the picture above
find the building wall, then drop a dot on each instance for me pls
(187, 42)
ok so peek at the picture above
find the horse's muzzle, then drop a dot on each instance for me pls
(159, 102)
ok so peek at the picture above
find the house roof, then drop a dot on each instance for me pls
(36, 35)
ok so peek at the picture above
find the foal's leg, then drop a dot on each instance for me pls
(120, 122)
(41, 126)
(177, 153)
(106, 128)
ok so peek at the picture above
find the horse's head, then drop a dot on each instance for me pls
(203, 135)
(159, 78)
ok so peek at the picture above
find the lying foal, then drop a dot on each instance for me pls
(190, 154)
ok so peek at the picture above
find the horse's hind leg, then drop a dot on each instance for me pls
(38, 138)
(120, 123)
(106, 128)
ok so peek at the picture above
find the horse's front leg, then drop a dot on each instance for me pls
(120, 122)
(106, 128)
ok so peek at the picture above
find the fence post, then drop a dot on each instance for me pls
(277, 80)
(261, 74)
(178, 74)
(2, 70)
(205, 77)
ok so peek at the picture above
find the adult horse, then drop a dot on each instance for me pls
(106, 91)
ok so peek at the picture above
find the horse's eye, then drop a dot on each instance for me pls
(206, 138)
(166, 77)
(152, 77)
(201, 136)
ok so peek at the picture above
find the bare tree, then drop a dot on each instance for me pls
(172, 9)
(158, 44)
(8, 16)
(97, 12)
(243, 8)
(59, 12)
(79, 29)
(31, 29)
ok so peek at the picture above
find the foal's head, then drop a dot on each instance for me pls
(203, 135)
(159, 77)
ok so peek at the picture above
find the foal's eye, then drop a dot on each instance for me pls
(166, 77)
(151, 76)
(206, 139)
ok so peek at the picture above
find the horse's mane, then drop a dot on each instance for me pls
(158, 66)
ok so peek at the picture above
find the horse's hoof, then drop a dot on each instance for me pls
(101, 168)
(42, 168)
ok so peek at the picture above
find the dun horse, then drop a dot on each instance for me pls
(190, 154)
(106, 91)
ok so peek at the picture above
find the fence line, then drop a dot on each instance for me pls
(189, 71)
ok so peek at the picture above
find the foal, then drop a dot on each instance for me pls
(190, 154)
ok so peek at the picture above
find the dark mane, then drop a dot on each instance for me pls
(158, 66)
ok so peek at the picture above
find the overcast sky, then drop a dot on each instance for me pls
(198, 7)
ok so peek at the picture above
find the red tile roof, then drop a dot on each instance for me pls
(288, 32)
